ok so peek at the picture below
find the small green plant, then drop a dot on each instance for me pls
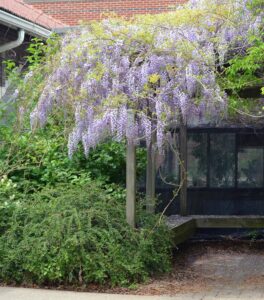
(36, 52)
(253, 235)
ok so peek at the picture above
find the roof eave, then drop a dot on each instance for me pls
(30, 28)
(65, 29)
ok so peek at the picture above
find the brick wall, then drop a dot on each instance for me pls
(73, 11)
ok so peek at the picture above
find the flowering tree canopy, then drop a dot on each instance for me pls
(164, 68)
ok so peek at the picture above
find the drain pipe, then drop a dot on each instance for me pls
(14, 44)
(9, 46)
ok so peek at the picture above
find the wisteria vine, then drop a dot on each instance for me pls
(162, 68)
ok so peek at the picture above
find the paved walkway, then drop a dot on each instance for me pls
(7, 293)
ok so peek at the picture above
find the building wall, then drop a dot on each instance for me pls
(73, 11)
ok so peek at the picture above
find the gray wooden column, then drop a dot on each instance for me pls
(131, 179)
(183, 169)
(150, 178)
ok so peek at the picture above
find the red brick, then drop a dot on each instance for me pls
(71, 12)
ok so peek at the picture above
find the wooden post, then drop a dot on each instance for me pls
(131, 179)
(150, 178)
(183, 169)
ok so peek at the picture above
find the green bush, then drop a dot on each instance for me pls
(77, 235)
(33, 161)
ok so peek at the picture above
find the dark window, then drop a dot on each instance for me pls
(222, 160)
(250, 167)
(215, 160)
(168, 165)
(197, 160)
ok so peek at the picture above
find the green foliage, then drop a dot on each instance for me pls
(256, 5)
(36, 52)
(10, 65)
(108, 161)
(59, 226)
(8, 201)
(35, 160)
(77, 235)
(247, 70)
(39, 51)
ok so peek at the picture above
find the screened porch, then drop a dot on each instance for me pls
(225, 173)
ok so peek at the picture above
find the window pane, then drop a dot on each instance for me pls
(197, 160)
(222, 160)
(250, 167)
(168, 165)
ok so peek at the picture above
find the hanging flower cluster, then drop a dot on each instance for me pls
(132, 79)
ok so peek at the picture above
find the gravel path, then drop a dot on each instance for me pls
(213, 268)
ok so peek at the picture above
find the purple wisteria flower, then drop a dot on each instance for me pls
(163, 72)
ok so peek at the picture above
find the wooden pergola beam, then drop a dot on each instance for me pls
(150, 178)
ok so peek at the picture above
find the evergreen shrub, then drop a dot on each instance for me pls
(77, 234)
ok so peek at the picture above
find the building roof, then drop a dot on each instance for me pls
(29, 13)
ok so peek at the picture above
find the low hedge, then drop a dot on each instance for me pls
(78, 235)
